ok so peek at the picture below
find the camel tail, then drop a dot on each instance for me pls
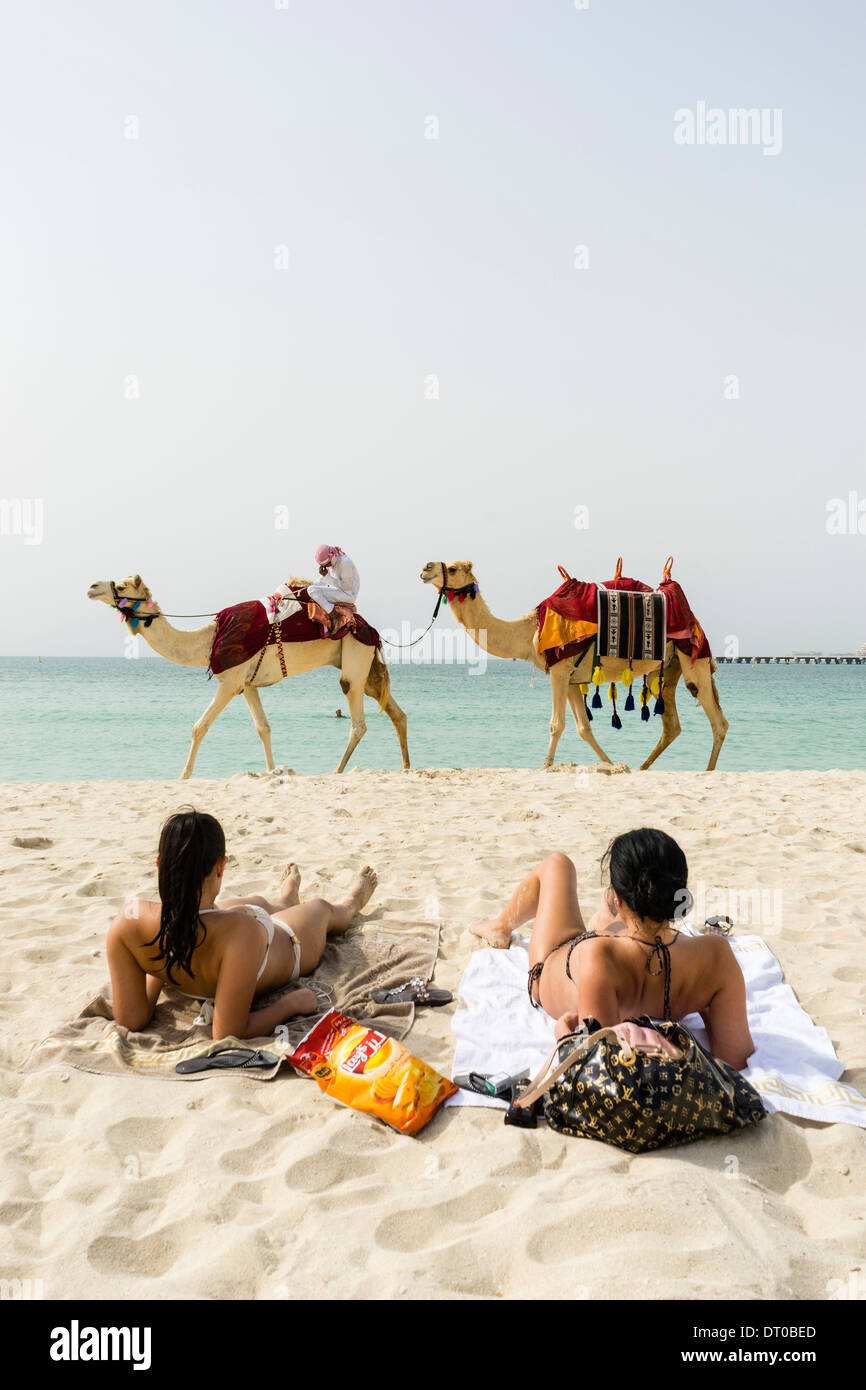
(378, 685)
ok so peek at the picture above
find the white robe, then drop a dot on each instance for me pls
(341, 584)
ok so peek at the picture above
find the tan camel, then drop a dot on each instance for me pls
(519, 640)
(362, 671)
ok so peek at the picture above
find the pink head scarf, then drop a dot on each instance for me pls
(326, 553)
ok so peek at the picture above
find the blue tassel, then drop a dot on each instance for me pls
(644, 712)
(659, 707)
(596, 699)
(629, 703)
(615, 720)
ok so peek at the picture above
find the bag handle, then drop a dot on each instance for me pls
(541, 1084)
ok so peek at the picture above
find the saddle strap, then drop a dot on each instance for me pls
(275, 633)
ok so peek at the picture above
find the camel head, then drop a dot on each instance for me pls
(456, 576)
(106, 591)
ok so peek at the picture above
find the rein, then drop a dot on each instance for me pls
(445, 596)
(128, 610)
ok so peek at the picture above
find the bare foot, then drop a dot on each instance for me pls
(287, 894)
(492, 931)
(361, 889)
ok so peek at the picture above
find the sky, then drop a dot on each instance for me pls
(316, 263)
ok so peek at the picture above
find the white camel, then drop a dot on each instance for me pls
(519, 640)
(362, 670)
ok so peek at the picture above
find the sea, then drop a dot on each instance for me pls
(82, 719)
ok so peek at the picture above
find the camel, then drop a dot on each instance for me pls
(362, 670)
(519, 641)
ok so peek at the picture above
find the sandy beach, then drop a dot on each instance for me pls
(117, 1187)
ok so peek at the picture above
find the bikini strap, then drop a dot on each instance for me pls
(534, 976)
(535, 970)
(662, 952)
(586, 936)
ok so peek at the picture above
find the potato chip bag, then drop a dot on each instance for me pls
(368, 1071)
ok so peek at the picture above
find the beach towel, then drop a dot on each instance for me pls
(793, 1067)
(363, 959)
(243, 629)
(631, 625)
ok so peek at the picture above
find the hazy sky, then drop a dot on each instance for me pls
(167, 384)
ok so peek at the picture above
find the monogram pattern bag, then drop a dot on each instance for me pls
(638, 1097)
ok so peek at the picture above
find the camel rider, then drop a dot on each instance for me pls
(336, 592)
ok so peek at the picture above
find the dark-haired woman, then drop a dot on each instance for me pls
(631, 960)
(228, 953)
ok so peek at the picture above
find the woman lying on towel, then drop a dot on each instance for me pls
(228, 952)
(630, 960)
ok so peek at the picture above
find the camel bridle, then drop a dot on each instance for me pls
(127, 607)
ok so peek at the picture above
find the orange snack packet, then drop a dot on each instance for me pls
(370, 1072)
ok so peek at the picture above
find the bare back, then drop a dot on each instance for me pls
(607, 978)
(233, 929)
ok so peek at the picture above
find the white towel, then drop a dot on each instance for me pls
(793, 1067)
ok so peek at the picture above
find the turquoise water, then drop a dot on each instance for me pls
(76, 719)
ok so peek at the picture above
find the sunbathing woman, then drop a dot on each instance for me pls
(630, 960)
(230, 952)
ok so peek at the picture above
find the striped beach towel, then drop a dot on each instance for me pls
(631, 625)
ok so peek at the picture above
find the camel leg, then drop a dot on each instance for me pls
(354, 694)
(260, 719)
(201, 726)
(584, 728)
(671, 727)
(398, 719)
(560, 674)
(379, 684)
(698, 677)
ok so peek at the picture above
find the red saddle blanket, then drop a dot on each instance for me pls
(683, 627)
(243, 629)
(568, 619)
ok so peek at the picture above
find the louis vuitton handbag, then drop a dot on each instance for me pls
(660, 1088)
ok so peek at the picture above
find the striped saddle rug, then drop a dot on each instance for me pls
(631, 625)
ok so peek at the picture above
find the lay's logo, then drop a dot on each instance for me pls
(367, 1048)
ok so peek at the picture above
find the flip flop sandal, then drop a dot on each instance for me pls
(230, 1058)
(722, 925)
(500, 1084)
(413, 992)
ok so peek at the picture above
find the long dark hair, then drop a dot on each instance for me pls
(649, 872)
(191, 843)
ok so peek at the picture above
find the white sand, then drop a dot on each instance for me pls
(151, 1189)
